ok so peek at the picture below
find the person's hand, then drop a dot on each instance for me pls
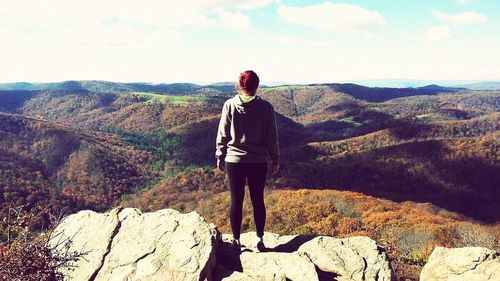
(275, 168)
(221, 165)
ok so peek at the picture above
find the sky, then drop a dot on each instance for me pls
(207, 41)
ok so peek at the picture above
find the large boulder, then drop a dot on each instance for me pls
(469, 263)
(126, 244)
(278, 266)
(354, 258)
(303, 257)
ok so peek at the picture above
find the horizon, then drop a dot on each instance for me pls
(376, 83)
(205, 42)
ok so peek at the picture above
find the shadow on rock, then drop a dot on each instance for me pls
(228, 260)
(292, 245)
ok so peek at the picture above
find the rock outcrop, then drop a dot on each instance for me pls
(298, 257)
(356, 258)
(469, 263)
(126, 244)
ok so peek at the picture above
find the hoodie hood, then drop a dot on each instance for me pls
(247, 107)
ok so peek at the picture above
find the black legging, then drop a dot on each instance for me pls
(255, 173)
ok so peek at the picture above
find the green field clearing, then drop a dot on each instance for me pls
(170, 99)
(350, 120)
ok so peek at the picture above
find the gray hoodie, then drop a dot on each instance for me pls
(247, 132)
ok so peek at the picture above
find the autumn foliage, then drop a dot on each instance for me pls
(24, 254)
(411, 168)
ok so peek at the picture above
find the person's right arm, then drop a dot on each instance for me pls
(223, 136)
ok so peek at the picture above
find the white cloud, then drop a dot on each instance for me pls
(434, 33)
(285, 39)
(410, 37)
(373, 36)
(92, 38)
(468, 17)
(262, 37)
(337, 16)
(123, 23)
(323, 44)
(165, 13)
(236, 21)
(53, 18)
(79, 13)
(438, 33)
(12, 38)
(218, 5)
(128, 40)
(465, 2)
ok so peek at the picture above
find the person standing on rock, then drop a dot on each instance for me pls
(247, 135)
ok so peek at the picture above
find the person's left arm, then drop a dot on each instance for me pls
(273, 141)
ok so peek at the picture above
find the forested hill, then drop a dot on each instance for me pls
(115, 87)
(43, 163)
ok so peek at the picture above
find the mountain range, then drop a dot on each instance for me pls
(414, 167)
(407, 83)
(172, 88)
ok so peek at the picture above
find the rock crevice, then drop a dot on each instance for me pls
(115, 212)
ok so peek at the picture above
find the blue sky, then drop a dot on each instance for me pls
(205, 41)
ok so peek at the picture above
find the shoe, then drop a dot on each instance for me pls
(259, 245)
(236, 244)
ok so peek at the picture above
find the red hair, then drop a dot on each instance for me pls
(249, 82)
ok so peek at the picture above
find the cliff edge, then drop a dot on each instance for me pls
(126, 244)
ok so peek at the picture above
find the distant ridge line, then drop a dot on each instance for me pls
(134, 86)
